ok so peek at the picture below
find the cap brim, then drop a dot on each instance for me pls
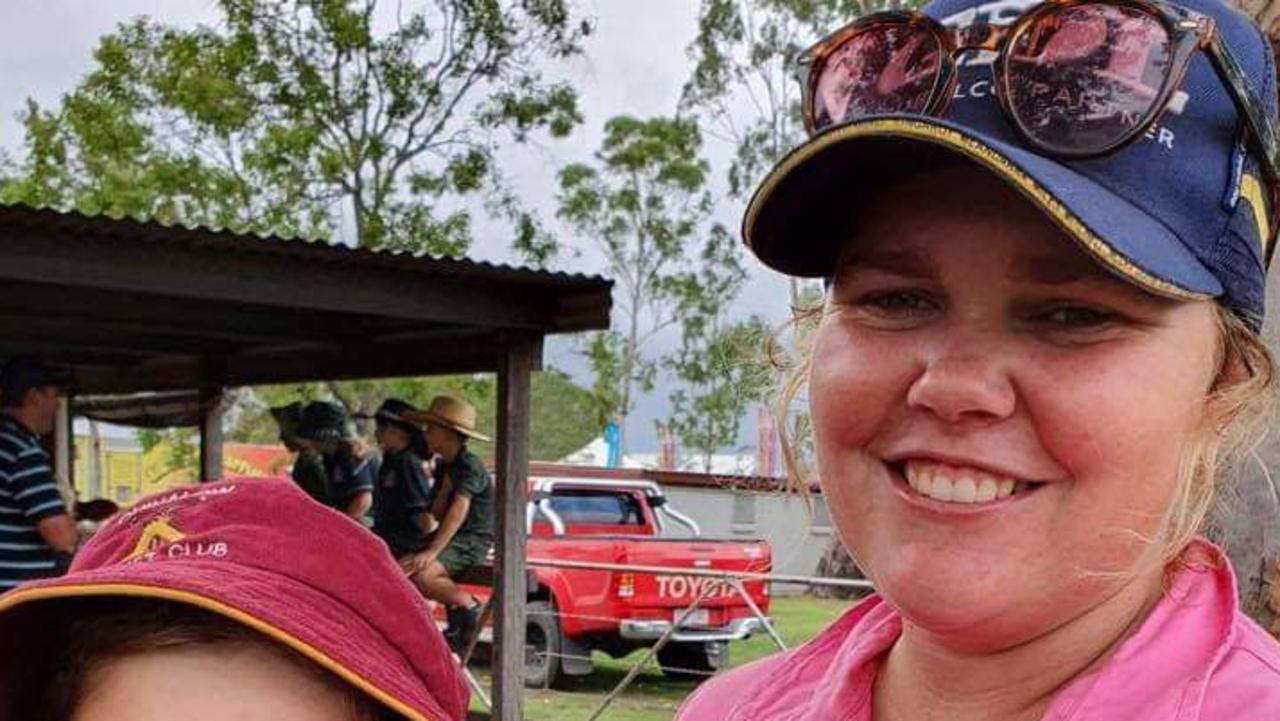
(310, 622)
(804, 208)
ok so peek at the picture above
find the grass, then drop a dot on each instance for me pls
(652, 697)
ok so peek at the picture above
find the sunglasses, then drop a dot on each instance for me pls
(1075, 78)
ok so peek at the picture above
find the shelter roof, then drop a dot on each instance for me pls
(133, 305)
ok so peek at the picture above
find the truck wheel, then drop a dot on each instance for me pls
(693, 661)
(542, 646)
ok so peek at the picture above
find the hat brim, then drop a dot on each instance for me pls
(803, 210)
(322, 434)
(315, 625)
(429, 417)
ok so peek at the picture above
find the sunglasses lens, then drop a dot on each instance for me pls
(1083, 78)
(883, 68)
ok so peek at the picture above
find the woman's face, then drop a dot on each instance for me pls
(225, 682)
(970, 348)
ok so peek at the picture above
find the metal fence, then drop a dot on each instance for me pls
(721, 582)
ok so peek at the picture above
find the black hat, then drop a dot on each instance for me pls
(323, 421)
(288, 417)
(21, 374)
(392, 411)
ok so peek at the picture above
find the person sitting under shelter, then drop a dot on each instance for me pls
(37, 534)
(349, 469)
(462, 502)
(401, 498)
(308, 465)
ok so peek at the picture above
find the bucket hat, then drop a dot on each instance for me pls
(246, 549)
(323, 420)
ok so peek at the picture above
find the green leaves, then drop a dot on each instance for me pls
(742, 82)
(290, 114)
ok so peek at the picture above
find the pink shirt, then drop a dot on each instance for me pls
(1195, 658)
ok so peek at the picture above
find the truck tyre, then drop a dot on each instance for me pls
(693, 661)
(542, 646)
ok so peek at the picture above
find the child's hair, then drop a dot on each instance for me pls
(80, 636)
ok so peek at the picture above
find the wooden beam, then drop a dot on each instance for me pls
(192, 273)
(463, 352)
(236, 320)
(211, 435)
(519, 356)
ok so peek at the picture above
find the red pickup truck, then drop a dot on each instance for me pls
(572, 612)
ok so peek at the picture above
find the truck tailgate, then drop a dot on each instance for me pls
(679, 590)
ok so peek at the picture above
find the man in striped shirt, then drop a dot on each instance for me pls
(37, 536)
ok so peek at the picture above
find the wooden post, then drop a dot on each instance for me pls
(64, 443)
(211, 435)
(512, 465)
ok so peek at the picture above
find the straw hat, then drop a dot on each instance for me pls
(451, 412)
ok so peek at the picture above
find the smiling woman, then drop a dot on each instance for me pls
(1035, 364)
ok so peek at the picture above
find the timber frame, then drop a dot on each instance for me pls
(133, 307)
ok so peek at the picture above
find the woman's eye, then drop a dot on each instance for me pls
(898, 302)
(1077, 317)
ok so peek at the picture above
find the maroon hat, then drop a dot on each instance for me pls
(261, 553)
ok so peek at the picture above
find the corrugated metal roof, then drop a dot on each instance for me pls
(20, 216)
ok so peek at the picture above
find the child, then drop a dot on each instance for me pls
(240, 600)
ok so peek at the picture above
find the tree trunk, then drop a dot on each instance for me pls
(1249, 526)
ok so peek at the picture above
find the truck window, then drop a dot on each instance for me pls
(604, 508)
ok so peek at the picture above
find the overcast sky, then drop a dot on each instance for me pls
(635, 64)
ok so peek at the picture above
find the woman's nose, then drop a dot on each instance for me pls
(962, 387)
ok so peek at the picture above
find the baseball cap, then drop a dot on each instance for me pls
(1181, 212)
(246, 549)
(20, 374)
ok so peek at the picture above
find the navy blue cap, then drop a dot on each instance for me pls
(1181, 212)
(21, 374)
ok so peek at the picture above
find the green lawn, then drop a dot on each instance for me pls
(652, 697)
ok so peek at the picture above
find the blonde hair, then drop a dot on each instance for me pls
(1237, 412)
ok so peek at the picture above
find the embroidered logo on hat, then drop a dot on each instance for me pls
(157, 534)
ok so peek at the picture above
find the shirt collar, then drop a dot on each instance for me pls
(18, 425)
(1156, 673)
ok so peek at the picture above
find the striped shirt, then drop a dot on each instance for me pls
(27, 495)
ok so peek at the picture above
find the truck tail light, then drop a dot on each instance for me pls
(626, 585)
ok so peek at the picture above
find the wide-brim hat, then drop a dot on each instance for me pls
(451, 412)
(288, 417)
(324, 421)
(245, 550)
(393, 411)
(1181, 212)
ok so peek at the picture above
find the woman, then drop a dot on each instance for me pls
(216, 602)
(1037, 353)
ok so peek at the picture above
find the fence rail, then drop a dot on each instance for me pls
(722, 579)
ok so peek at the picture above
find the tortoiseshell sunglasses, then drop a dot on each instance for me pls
(1075, 78)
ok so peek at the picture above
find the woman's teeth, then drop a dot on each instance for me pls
(958, 485)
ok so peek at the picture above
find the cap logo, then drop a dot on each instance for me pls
(161, 539)
(1251, 190)
(155, 535)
